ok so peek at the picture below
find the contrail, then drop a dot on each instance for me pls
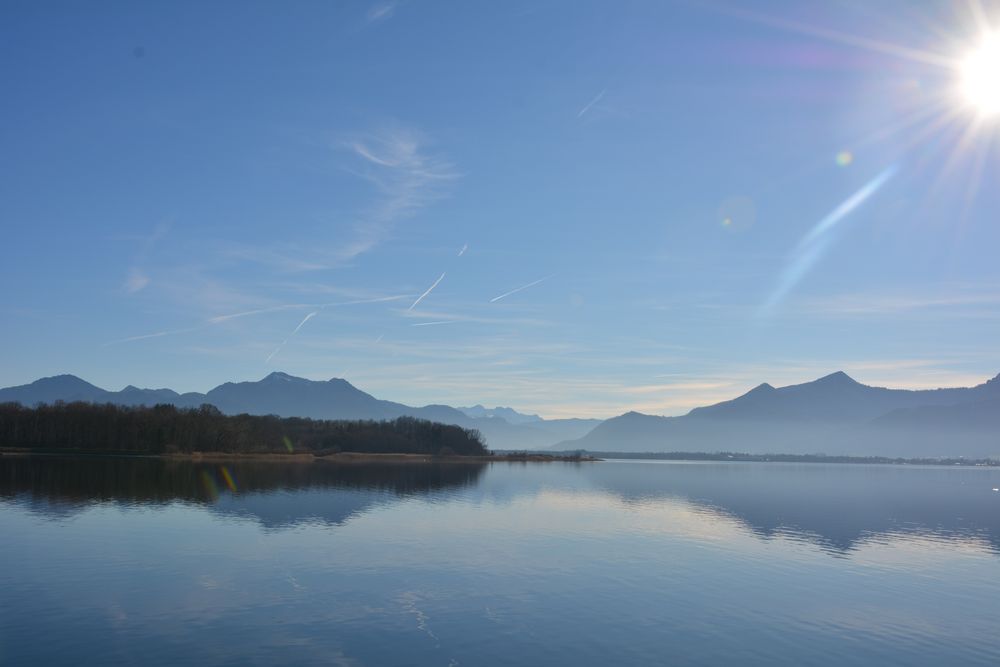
(158, 334)
(814, 244)
(304, 320)
(429, 290)
(259, 311)
(464, 248)
(379, 299)
(218, 319)
(518, 289)
(294, 331)
(592, 103)
(430, 324)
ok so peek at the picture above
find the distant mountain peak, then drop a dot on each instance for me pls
(506, 413)
(65, 380)
(278, 376)
(840, 377)
(62, 377)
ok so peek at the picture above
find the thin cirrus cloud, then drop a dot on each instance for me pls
(406, 176)
(960, 302)
(381, 11)
(136, 281)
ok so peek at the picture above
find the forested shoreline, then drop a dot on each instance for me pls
(165, 429)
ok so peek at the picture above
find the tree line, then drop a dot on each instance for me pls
(166, 429)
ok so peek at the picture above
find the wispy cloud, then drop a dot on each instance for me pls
(893, 304)
(381, 11)
(136, 281)
(518, 289)
(408, 177)
(282, 257)
(428, 291)
(592, 102)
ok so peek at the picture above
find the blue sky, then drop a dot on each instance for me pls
(710, 197)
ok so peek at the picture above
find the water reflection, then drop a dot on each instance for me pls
(142, 561)
(837, 507)
(275, 494)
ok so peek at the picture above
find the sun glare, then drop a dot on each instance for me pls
(980, 71)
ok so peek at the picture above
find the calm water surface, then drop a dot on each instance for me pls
(145, 562)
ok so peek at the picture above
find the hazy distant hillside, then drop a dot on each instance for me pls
(835, 397)
(47, 390)
(510, 415)
(833, 415)
(289, 396)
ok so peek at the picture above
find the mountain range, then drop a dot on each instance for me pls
(289, 396)
(833, 415)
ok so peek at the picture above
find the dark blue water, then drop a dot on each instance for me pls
(144, 562)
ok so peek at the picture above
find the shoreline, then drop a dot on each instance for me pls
(304, 457)
(501, 457)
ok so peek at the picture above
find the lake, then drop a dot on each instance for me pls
(122, 561)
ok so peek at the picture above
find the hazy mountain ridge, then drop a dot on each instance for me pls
(510, 415)
(834, 415)
(290, 396)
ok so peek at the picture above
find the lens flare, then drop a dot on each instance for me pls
(814, 244)
(980, 72)
(211, 490)
(227, 476)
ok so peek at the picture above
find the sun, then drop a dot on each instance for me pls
(980, 76)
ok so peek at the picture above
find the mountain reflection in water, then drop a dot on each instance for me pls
(835, 507)
(143, 561)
